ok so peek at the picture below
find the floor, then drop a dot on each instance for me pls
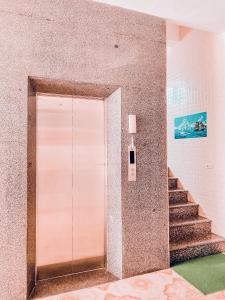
(69, 283)
(161, 285)
(206, 273)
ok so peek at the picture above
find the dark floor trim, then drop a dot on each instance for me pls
(70, 267)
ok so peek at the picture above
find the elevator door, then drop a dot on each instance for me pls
(70, 185)
(88, 184)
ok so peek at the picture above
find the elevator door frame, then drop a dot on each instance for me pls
(83, 265)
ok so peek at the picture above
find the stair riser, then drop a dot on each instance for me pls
(198, 251)
(189, 232)
(182, 213)
(172, 183)
(178, 197)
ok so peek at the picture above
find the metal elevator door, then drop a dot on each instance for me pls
(70, 181)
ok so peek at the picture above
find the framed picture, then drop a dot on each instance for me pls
(191, 126)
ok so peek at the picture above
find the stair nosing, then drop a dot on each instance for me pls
(178, 190)
(217, 239)
(188, 204)
(190, 222)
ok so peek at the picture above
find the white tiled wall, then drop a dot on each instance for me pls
(196, 83)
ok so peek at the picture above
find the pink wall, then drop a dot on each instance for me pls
(196, 72)
(82, 42)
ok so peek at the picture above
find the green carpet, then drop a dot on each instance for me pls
(207, 273)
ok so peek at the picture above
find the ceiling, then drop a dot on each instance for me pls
(206, 15)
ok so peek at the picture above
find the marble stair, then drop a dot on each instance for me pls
(190, 234)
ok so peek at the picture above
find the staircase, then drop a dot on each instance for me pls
(190, 234)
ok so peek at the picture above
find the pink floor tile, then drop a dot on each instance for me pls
(162, 285)
(217, 296)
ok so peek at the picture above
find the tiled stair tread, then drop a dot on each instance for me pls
(209, 239)
(188, 204)
(189, 221)
(190, 234)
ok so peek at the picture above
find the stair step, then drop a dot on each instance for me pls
(183, 211)
(178, 196)
(182, 251)
(172, 183)
(189, 229)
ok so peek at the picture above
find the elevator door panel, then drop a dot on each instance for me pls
(88, 180)
(70, 185)
(54, 180)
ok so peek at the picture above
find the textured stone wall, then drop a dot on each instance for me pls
(114, 215)
(83, 41)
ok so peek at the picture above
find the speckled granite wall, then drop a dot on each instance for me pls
(86, 42)
(114, 203)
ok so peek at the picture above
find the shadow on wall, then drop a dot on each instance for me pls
(191, 199)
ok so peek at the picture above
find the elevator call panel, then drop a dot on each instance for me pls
(131, 163)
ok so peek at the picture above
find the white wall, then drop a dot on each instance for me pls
(196, 82)
(199, 14)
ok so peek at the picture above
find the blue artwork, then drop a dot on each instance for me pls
(191, 126)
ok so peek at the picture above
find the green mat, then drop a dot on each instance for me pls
(207, 273)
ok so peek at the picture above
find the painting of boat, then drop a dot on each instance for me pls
(191, 126)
